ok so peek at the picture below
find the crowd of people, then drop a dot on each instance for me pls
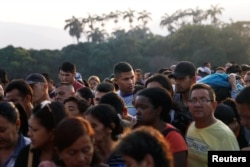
(169, 118)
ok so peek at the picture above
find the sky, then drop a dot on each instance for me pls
(41, 20)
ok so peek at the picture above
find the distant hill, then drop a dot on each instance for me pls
(33, 37)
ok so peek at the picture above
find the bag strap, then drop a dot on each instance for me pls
(30, 158)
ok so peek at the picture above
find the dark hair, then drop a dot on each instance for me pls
(210, 90)
(234, 69)
(3, 76)
(9, 112)
(81, 103)
(122, 67)
(69, 130)
(68, 67)
(105, 87)
(65, 136)
(107, 115)
(114, 100)
(49, 114)
(46, 76)
(158, 97)
(23, 88)
(243, 96)
(85, 92)
(143, 141)
(163, 80)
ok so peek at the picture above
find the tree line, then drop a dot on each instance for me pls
(194, 34)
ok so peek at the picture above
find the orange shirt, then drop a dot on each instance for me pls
(176, 141)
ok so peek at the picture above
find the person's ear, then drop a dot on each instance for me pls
(149, 161)
(18, 124)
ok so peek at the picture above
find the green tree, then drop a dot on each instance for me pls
(144, 16)
(75, 27)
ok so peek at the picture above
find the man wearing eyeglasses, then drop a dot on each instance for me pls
(206, 132)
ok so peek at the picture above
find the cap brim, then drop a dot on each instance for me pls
(30, 82)
(176, 75)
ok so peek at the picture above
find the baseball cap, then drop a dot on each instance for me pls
(182, 69)
(78, 77)
(35, 78)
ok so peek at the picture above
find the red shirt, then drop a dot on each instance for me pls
(77, 85)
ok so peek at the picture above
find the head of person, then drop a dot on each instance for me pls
(243, 106)
(19, 92)
(184, 75)
(75, 106)
(220, 70)
(75, 147)
(160, 80)
(227, 115)
(49, 81)
(67, 72)
(145, 146)
(244, 69)
(39, 86)
(235, 68)
(124, 77)
(9, 125)
(116, 101)
(139, 77)
(85, 93)
(104, 121)
(3, 78)
(247, 79)
(202, 102)
(93, 81)
(102, 89)
(42, 123)
(64, 91)
(152, 105)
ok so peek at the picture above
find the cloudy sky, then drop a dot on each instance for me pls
(52, 13)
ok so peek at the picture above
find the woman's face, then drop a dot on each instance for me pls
(39, 135)
(146, 113)
(101, 132)
(79, 154)
(72, 108)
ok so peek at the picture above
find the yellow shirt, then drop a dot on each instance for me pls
(217, 136)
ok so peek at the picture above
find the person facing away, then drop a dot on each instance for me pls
(206, 132)
(185, 76)
(67, 73)
(125, 79)
(145, 146)
(11, 141)
(153, 105)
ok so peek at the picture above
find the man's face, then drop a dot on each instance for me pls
(202, 108)
(247, 80)
(182, 85)
(39, 92)
(244, 112)
(98, 96)
(14, 96)
(8, 133)
(63, 92)
(126, 82)
(66, 77)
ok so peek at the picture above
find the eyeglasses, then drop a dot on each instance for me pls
(201, 100)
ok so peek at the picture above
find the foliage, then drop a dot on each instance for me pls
(192, 38)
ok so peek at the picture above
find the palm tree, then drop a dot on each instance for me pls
(144, 16)
(213, 13)
(96, 35)
(167, 21)
(130, 15)
(75, 27)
